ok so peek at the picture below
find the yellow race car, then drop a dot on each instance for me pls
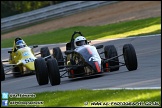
(21, 59)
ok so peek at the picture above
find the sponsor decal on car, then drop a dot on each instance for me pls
(25, 54)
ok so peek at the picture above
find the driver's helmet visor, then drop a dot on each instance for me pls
(20, 44)
(80, 43)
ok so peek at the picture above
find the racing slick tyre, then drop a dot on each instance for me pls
(45, 52)
(110, 51)
(53, 71)
(57, 54)
(130, 57)
(17, 72)
(41, 71)
(2, 72)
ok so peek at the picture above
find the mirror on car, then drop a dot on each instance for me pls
(9, 51)
(35, 46)
(99, 46)
(88, 42)
(68, 46)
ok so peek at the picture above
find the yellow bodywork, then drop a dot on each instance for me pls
(23, 58)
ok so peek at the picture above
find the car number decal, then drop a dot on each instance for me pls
(28, 60)
(94, 58)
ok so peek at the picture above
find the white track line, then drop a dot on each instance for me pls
(133, 88)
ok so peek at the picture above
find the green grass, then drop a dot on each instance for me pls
(117, 30)
(75, 98)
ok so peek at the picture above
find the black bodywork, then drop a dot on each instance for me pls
(83, 61)
(79, 62)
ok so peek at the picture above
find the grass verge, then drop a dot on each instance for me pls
(94, 98)
(117, 30)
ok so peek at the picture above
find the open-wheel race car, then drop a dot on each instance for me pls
(82, 60)
(21, 59)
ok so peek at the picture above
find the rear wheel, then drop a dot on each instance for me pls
(130, 57)
(2, 72)
(110, 51)
(44, 52)
(53, 70)
(41, 71)
(58, 55)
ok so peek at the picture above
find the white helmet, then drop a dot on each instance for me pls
(79, 41)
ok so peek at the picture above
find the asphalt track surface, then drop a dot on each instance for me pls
(148, 74)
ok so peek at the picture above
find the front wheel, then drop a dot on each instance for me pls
(2, 72)
(41, 71)
(130, 57)
(53, 70)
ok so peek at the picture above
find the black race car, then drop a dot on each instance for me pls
(82, 61)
